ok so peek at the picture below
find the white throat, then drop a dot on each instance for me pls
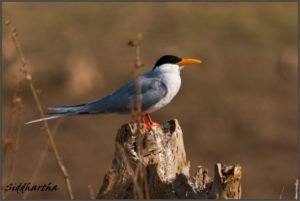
(165, 68)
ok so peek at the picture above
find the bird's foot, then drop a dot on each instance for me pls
(151, 124)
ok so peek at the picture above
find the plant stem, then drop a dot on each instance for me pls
(28, 77)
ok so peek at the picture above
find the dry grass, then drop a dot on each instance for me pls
(296, 189)
(34, 91)
(138, 174)
(91, 192)
(138, 65)
(11, 137)
(41, 160)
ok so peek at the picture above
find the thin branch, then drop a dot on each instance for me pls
(137, 105)
(16, 102)
(16, 149)
(41, 159)
(91, 192)
(18, 106)
(137, 111)
(11, 139)
(281, 193)
(28, 76)
(296, 189)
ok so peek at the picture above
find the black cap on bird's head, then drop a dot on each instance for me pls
(167, 59)
(171, 59)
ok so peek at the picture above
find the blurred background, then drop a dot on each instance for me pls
(238, 107)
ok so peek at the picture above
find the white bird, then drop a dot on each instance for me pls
(158, 88)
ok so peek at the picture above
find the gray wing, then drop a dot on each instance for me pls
(122, 100)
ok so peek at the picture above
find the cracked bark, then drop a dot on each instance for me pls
(153, 165)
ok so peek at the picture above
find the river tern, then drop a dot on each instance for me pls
(158, 87)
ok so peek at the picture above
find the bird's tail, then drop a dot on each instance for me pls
(47, 118)
(62, 111)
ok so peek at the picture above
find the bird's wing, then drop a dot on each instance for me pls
(123, 100)
(153, 92)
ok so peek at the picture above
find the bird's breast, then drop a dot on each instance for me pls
(172, 81)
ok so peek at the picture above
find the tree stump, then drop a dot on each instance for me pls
(153, 165)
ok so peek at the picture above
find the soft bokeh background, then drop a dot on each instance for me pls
(239, 106)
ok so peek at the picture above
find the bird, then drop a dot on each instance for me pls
(158, 87)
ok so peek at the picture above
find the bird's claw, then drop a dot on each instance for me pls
(151, 125)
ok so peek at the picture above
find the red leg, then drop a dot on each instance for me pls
(149, 118)
(150, 123)
(142, 120)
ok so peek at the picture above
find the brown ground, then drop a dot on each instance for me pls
(239, 106)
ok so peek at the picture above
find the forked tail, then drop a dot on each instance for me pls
(60, 112)
(47, 118)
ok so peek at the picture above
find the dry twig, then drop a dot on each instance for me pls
(28, 76)
(12, 138)
(281, 193)
(138, 174)
(16, 143)
(137, 105)
(296, 189)
(42, 159)
(91, 192)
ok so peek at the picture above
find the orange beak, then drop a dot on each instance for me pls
(184, 62)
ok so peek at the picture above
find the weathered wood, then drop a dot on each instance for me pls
(153, 165)
(227, 182)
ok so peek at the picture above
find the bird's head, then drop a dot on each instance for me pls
(170, 62)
